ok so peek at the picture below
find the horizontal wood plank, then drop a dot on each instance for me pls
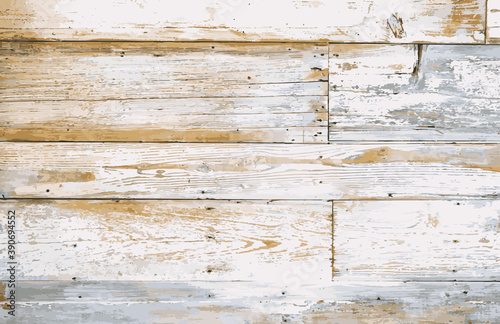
(167, 240)
(239, 302)
(248, 171)
(406, 93)
(181, 92)
(417, 240)
(493, 22)
(446, 21)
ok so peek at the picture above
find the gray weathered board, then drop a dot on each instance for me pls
(96, 302)
(414, 93)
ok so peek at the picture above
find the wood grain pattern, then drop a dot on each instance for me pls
(417, 240)
(406, 93)
(168, 240)
(164, 92)
(242, 302)
(446, 21)
(249, 171)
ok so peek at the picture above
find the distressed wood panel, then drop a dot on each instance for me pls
(249, 171)
(493, 22)
(239, 302)
(393, 92)
(255, 20)
(266, 119)
(164, 92)
(168, 240)
(417, 240)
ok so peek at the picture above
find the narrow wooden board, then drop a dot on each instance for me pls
(410, 93)
(164, 92)
(236, 20)
(168, 240)
(493, 22)
(248, 171)
(417, 240)
(243, 302)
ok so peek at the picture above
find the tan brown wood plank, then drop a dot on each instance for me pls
(248, 171)
(445, 21)
(180, 92)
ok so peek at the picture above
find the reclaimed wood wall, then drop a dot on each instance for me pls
(229, 161)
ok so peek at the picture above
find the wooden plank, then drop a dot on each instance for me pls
(493, 22)
(167, 240)
(396, 92)
(417, 240)
(249, 171)
(300, 119)
(254, 20)
(239, 302)
(164, 92)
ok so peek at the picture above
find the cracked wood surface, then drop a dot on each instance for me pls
(445, 21)
(414, 93)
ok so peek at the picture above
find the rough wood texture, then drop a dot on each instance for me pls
(493, 28)
(242, 302)
(252, 171)
(254, 20)
(168, 240)
(417, 240)
(396, 92)
(164, 92)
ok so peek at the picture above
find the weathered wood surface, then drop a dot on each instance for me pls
(417, 240)
(248, 171)
(493, 22)
(164, 92)
(411, 93)
(446, 21)
(168, 240)
(242, 302)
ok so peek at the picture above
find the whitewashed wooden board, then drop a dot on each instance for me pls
(414, 93)
(248, 171)
(168, 240)
(184, 92)
(417, 240)
(493, 22)
(243, 302)
(405, 21)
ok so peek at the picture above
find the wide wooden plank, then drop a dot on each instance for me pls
(417, 240)
(167, 240)
(411, 93)
(254, 20)
(493, 22)
(243, 302)
(164, 92)
(249, 171)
